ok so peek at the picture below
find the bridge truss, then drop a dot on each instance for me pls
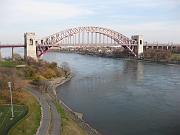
(84, 36)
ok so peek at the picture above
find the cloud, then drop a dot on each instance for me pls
(39, 11)
(155, 19)
(155, 3)
(136, 4)
(153, 31)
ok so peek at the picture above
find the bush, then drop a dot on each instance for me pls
(157, 55)
(18, 59)
(175, 57)
(48, 73)
(6, 75)
(31, 61)
(52, 65)
(36, 80)
(29, 72)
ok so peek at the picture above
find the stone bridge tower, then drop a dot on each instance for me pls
(140, 44)
(30, 45)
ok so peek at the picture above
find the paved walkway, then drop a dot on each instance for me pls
(55, 119)
(50, 121)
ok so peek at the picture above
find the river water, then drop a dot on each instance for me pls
(122, 97)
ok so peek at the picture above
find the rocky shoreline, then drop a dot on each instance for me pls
(77, 117)
(121, 55)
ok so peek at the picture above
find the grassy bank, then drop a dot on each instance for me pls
(5, 117)
(37, 73)
(69, 126)
(7, 64)
(29, 124)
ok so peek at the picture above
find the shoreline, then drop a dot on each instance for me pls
(76, 116)
(162, 61)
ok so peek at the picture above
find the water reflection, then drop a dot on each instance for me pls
(123, 96)
(140, 72)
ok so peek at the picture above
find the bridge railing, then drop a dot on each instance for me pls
(161, 44)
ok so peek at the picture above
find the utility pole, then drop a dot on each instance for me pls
(10, 89)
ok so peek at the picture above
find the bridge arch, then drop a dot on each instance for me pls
(47, 42)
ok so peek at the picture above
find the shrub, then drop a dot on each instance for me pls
(36, 80)
(29, 72)
(18, 59)
(157, 55)
(175, 57)
(52, 65)
(31, 61)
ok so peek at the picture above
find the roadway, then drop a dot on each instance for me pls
(50, 120)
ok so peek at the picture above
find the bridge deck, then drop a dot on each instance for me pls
(11, 46)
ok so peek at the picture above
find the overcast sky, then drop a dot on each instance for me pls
(157, 20)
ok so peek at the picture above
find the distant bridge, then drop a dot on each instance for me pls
(86, 37)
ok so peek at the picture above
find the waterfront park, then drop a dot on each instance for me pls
(89, 67)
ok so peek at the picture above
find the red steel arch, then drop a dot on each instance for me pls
(45, 43)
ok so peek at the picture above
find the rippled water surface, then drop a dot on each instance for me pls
(123, 97)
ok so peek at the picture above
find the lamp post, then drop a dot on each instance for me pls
(10, 89)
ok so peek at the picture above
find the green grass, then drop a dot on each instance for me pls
(7, 64)
(5, 114)
(68, 125)
(175, 57)
(62, 113)
(29, 124)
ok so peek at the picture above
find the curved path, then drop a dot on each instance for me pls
(50, 120)
(55, 119)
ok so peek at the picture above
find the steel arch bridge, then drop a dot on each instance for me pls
(57, 39)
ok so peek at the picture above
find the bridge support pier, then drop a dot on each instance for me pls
(139, 39)
(12, 53)
(30, 46)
